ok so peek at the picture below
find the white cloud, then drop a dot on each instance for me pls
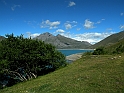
(50, 25)
(32, 35)
(92, 37)
(54, 23)
(66, 34)
(13, 7)
(98, 22)
(68, 26)
(60, 31)
(122, 27)
(89, 37)
(74, 22)
(88, 24)
(71, 4)
(122, 14)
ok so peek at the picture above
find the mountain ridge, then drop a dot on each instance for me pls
(62, 42)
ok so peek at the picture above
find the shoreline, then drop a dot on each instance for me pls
(74, 57)
(75, 49)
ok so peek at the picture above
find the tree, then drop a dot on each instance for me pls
(23, 58)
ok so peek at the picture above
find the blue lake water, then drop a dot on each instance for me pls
(67, 52)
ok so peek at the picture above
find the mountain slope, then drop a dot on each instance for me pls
(110, 40)
(62, 42)
(72, 43)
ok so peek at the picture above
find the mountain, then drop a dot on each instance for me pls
(112, 39)
(62, 42)
(2, 38)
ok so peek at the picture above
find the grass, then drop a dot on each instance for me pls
(90, 74)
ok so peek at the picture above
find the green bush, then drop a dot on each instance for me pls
(99, 51)
(23, 58)
(120, 49)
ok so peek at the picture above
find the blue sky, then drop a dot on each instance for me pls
(83, 20)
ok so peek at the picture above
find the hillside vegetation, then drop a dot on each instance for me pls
(90, 74)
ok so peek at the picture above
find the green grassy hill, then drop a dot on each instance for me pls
(90, 74)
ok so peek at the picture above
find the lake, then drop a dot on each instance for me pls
(68, 52)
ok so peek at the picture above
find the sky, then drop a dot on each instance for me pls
(82, 20)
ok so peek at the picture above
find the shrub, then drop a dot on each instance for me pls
(120, 49)
(99, 51)
(23, 58)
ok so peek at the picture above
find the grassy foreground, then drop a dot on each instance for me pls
(90, 74)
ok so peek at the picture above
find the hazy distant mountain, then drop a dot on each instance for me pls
(62, 42)
(2, 38)
(114, 38)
